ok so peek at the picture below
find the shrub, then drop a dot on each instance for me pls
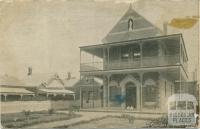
(27, 118)
(27, 114)
(130, 118)
(71, 112)
(10, 126)
(161, 122)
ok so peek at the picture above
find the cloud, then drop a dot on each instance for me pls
(183, 23)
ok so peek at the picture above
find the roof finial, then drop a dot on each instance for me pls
(131, 6)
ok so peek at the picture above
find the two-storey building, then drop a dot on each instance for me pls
(138, 64)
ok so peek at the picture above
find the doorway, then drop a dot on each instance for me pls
(131, 96)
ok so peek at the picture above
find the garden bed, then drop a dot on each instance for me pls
(110, 122)
(26, 118)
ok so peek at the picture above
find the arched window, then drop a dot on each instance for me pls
(130, 24)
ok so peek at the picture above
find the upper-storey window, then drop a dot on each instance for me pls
(125, 53)
(130, 24)
(130, 52)
(136, 51)
(150, 49)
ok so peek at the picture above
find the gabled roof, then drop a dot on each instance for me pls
(54, 82)
(142, 28)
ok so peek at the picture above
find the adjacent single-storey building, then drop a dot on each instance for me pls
(42, 92)
(34, 94)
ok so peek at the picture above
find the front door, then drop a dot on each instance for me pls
(131, 95)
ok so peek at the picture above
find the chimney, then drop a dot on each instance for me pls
(165, 26)
(68, 75)
(29, 71)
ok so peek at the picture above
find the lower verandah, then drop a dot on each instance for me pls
(125, 91)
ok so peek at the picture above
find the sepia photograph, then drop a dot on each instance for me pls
(99, 64)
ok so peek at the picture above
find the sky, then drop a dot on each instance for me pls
(46, 34)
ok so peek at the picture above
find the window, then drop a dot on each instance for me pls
(181, 105)
(136, 55)
(190, 105)
(130, 24)
(151, 93)
(136, 51)
(125, 53)
(150, 49)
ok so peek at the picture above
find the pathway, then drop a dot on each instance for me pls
(87, 116)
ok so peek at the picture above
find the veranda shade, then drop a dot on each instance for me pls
(182, 97)
(56, 91)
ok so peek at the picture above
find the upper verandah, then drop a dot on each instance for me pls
(134, 42)
(177, 39)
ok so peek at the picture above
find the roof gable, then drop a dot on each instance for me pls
(140, 28)
(55, 84)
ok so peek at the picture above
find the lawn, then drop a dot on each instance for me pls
(23, 119)
(111, 122)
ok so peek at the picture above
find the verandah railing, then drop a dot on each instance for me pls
(134, 63)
